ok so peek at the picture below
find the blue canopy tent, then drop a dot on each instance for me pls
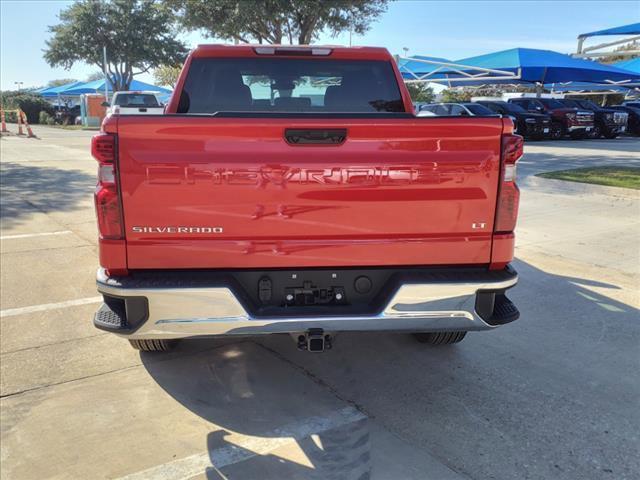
(98, 86)
(630, 33)
(631, 29)
(545, 66)
(57, 91)
(632, 65)
(526, 65)
(630, 87)
(419, 68)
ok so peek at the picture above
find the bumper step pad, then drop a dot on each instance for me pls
(504, 311)
(109, 319)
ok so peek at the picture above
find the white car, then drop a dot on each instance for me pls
(456, 109)
(134, 103)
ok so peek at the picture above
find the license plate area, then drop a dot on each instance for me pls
(310, 294)
(316, 291)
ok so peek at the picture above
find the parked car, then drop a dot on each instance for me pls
(529, 125)
(134, 103)
(608, 123)
(457, 109)
(633, 123)
(564, 120)
(229, 217)
(65, 114)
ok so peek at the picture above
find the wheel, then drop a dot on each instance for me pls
(578, 135)
(596, 132)
(153, 345)
(611, 135)
(556, 131)
(440, 338)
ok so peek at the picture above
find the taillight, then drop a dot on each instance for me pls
(107, 198)
(108, 212)
(103, 147)
(508, 192)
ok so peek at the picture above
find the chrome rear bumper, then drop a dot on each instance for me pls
(189, 312)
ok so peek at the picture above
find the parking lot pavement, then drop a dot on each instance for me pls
(554, 395)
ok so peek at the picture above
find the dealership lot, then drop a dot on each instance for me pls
(554, 395)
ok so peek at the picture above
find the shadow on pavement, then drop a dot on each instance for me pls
(27, 189)
(553, 395)
(245, 390)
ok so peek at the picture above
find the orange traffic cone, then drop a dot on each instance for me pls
(4, 123)
(26, 124)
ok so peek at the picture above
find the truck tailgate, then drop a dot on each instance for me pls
(214, 192)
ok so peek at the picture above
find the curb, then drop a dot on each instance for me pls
(565, 186)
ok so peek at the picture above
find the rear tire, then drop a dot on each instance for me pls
(611, 135)
(578, 135)
(556, 132)
(440, 338)
(153, 345)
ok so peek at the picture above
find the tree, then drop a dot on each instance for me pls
(94, 76)
(271, 21)
(420, 92)
(616, 57)
(138, 34)
(457, 95)
(167, 75)
(60, 81)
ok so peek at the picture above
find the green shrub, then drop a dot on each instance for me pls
(30, 104)
(44, 117)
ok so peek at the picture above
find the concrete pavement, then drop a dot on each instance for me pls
(554, 395)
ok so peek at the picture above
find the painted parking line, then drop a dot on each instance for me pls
(10, 312)
(29, 235)
(246, 447)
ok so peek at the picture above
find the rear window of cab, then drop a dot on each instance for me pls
(290, 85)
(136, 100)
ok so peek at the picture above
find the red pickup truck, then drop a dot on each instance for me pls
(293, 190)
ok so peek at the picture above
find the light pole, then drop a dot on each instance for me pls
(19, 84)
(104, 70)
(405, 50)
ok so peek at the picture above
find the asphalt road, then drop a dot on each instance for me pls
(554, 395)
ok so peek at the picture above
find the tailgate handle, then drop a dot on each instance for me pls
(316, 136)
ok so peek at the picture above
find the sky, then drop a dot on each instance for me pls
(450, 29)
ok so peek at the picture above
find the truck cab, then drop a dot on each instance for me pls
(574, 122)
(633, 117)
(608, 122)
(530, 125)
